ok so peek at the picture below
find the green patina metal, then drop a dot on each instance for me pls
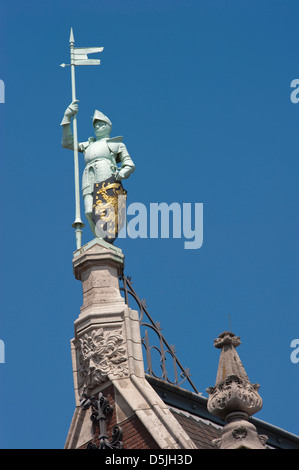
(102, 153)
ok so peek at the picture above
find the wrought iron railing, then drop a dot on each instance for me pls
(180, 374)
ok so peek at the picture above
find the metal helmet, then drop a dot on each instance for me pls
(99, 116)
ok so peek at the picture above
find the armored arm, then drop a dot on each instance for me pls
(127, 164)
(67, 136)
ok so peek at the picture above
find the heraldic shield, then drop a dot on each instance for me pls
(109, 205)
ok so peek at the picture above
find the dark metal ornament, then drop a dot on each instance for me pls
(100, 409)
(178, 374)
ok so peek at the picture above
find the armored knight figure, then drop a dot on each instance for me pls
(101, 155)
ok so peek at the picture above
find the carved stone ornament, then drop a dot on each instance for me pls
(100, 353)
(227, 339)
(239, 432)
(234, 394)
(240, 435)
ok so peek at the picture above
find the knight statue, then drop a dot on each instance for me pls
(101, 181)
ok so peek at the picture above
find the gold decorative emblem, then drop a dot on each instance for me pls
(109, 204)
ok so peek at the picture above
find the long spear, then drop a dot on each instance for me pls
(78, 57)
(78, 224)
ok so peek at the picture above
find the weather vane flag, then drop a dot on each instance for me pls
(79, 56)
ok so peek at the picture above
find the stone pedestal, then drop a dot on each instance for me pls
(107, 343)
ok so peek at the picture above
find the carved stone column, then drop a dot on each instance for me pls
(107, 341)
(234, 398)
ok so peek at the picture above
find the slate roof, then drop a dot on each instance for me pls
(202, 432)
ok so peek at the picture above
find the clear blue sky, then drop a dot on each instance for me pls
(200, 90)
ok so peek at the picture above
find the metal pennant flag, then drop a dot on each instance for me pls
(81, 55)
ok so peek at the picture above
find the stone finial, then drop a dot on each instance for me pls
(229, 363)
(234, 398)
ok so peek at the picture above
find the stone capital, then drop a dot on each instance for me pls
(97, 253)
(234, 394)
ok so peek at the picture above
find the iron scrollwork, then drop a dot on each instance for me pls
(180, 373)
(100, 409)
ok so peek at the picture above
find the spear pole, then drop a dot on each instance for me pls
(78, 224)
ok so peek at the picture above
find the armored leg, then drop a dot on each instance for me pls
(88, 201)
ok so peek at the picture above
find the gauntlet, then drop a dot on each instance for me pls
(69, 112)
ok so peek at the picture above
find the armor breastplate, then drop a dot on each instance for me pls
(100, 165)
